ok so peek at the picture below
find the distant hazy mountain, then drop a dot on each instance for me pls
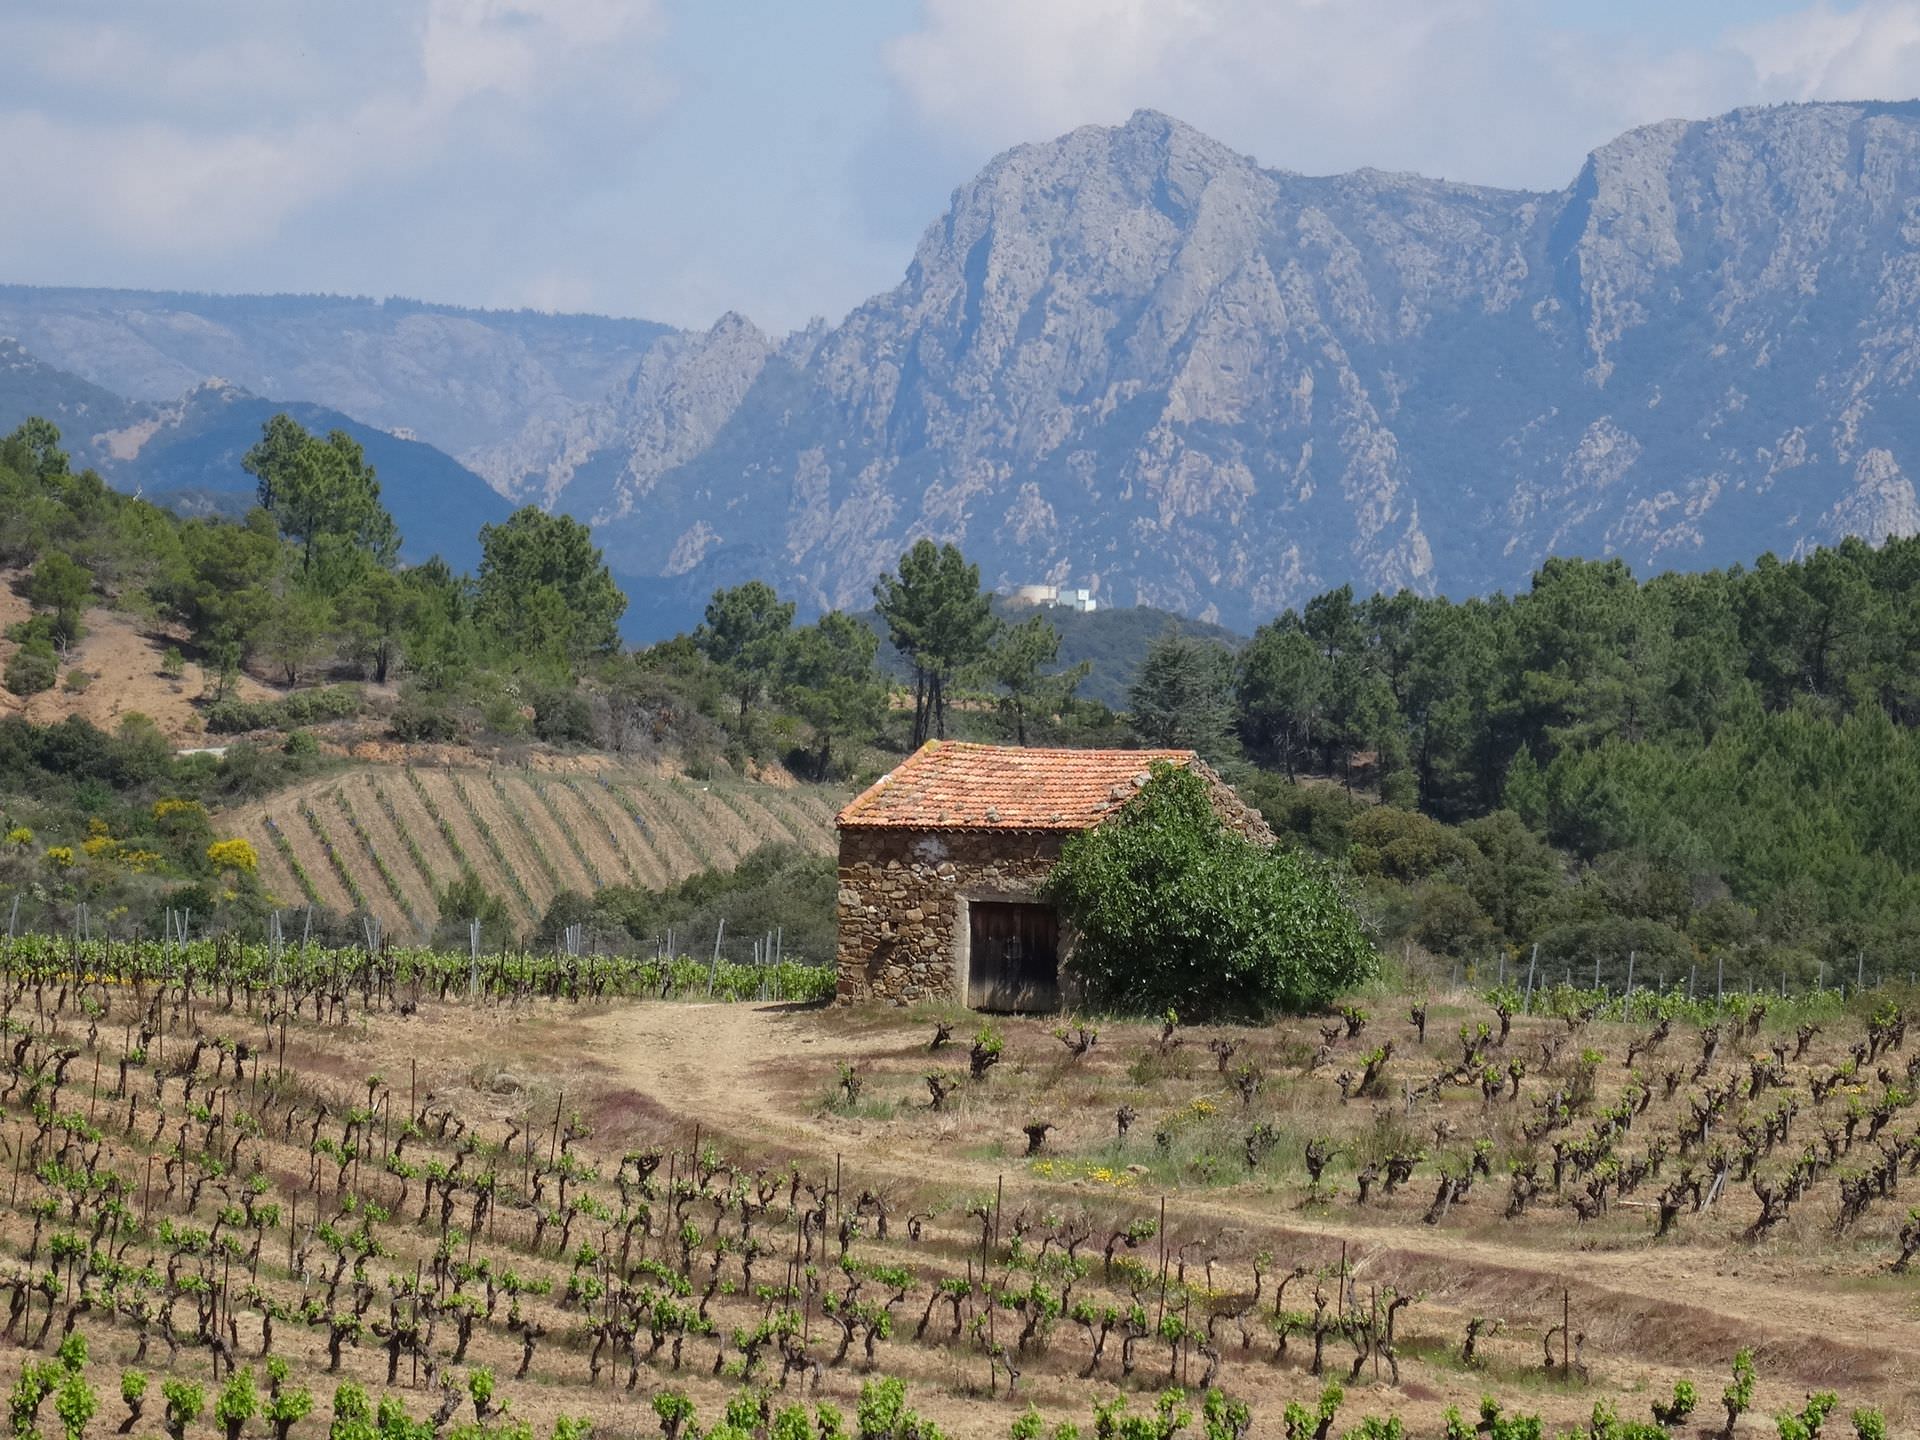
(186, 455)
(1132, 358)
(463, 380)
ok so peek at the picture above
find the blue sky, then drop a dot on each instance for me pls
(679, 158)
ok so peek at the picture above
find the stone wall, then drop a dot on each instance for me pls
(899, 906)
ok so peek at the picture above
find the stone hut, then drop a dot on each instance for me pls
(941, 863)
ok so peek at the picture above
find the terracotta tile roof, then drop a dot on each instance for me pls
(947, 785)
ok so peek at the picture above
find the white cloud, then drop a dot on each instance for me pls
(1869, 52)
(519, 48)
(203, 142)
(1483, 90)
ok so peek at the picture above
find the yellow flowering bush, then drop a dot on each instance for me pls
(60, 855)
(20, 837)
(236, 854)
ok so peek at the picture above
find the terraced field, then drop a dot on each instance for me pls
(388, 838)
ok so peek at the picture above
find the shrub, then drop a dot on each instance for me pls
(237, 1403)
(563, 717)
(236, 855)
(31, 669)
(1175, 911)
(77, 681)
(419, 722)
(308, 707)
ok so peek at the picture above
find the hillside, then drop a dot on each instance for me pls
(122, 656)
(388, 838)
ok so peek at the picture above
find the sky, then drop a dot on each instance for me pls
(676, 159)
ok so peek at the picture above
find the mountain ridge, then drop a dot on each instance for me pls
(1134, 358)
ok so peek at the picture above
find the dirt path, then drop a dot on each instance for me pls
(723, 1063)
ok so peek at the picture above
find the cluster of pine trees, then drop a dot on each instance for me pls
(1725, 763)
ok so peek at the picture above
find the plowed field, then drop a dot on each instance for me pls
(403, 833)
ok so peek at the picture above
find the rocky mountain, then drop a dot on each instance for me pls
(1133, 358)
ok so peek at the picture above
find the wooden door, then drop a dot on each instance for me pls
(1013, 956)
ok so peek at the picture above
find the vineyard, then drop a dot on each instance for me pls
(287, 1190)
(388, 839)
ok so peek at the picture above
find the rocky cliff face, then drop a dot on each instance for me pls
(1131, 358)
(1134, 358)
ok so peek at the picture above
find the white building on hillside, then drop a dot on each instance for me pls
(1053, 597)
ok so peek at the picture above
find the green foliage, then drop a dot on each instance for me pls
(544, 589)
(1806, 1424)
(1182, 697)
(322, 494)
(1679, 1409)
(883, 1404)
(287, 1405)
(938, 619)
(61, 587)
(829, 681)
(29, 1392)
(1738, 1395)
(745, 634)
(307, 707)
(1225, 1418)
(1112, 1420)
(1300, 1423)
(675, 1412)
(1606, 1424)
(776, 887)
(75, 1402)
(31, 669)
(1496, 1424)
(185, 1402)
(1173, 910)
(1019, 664)
(467, 899)
(237, 1403)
